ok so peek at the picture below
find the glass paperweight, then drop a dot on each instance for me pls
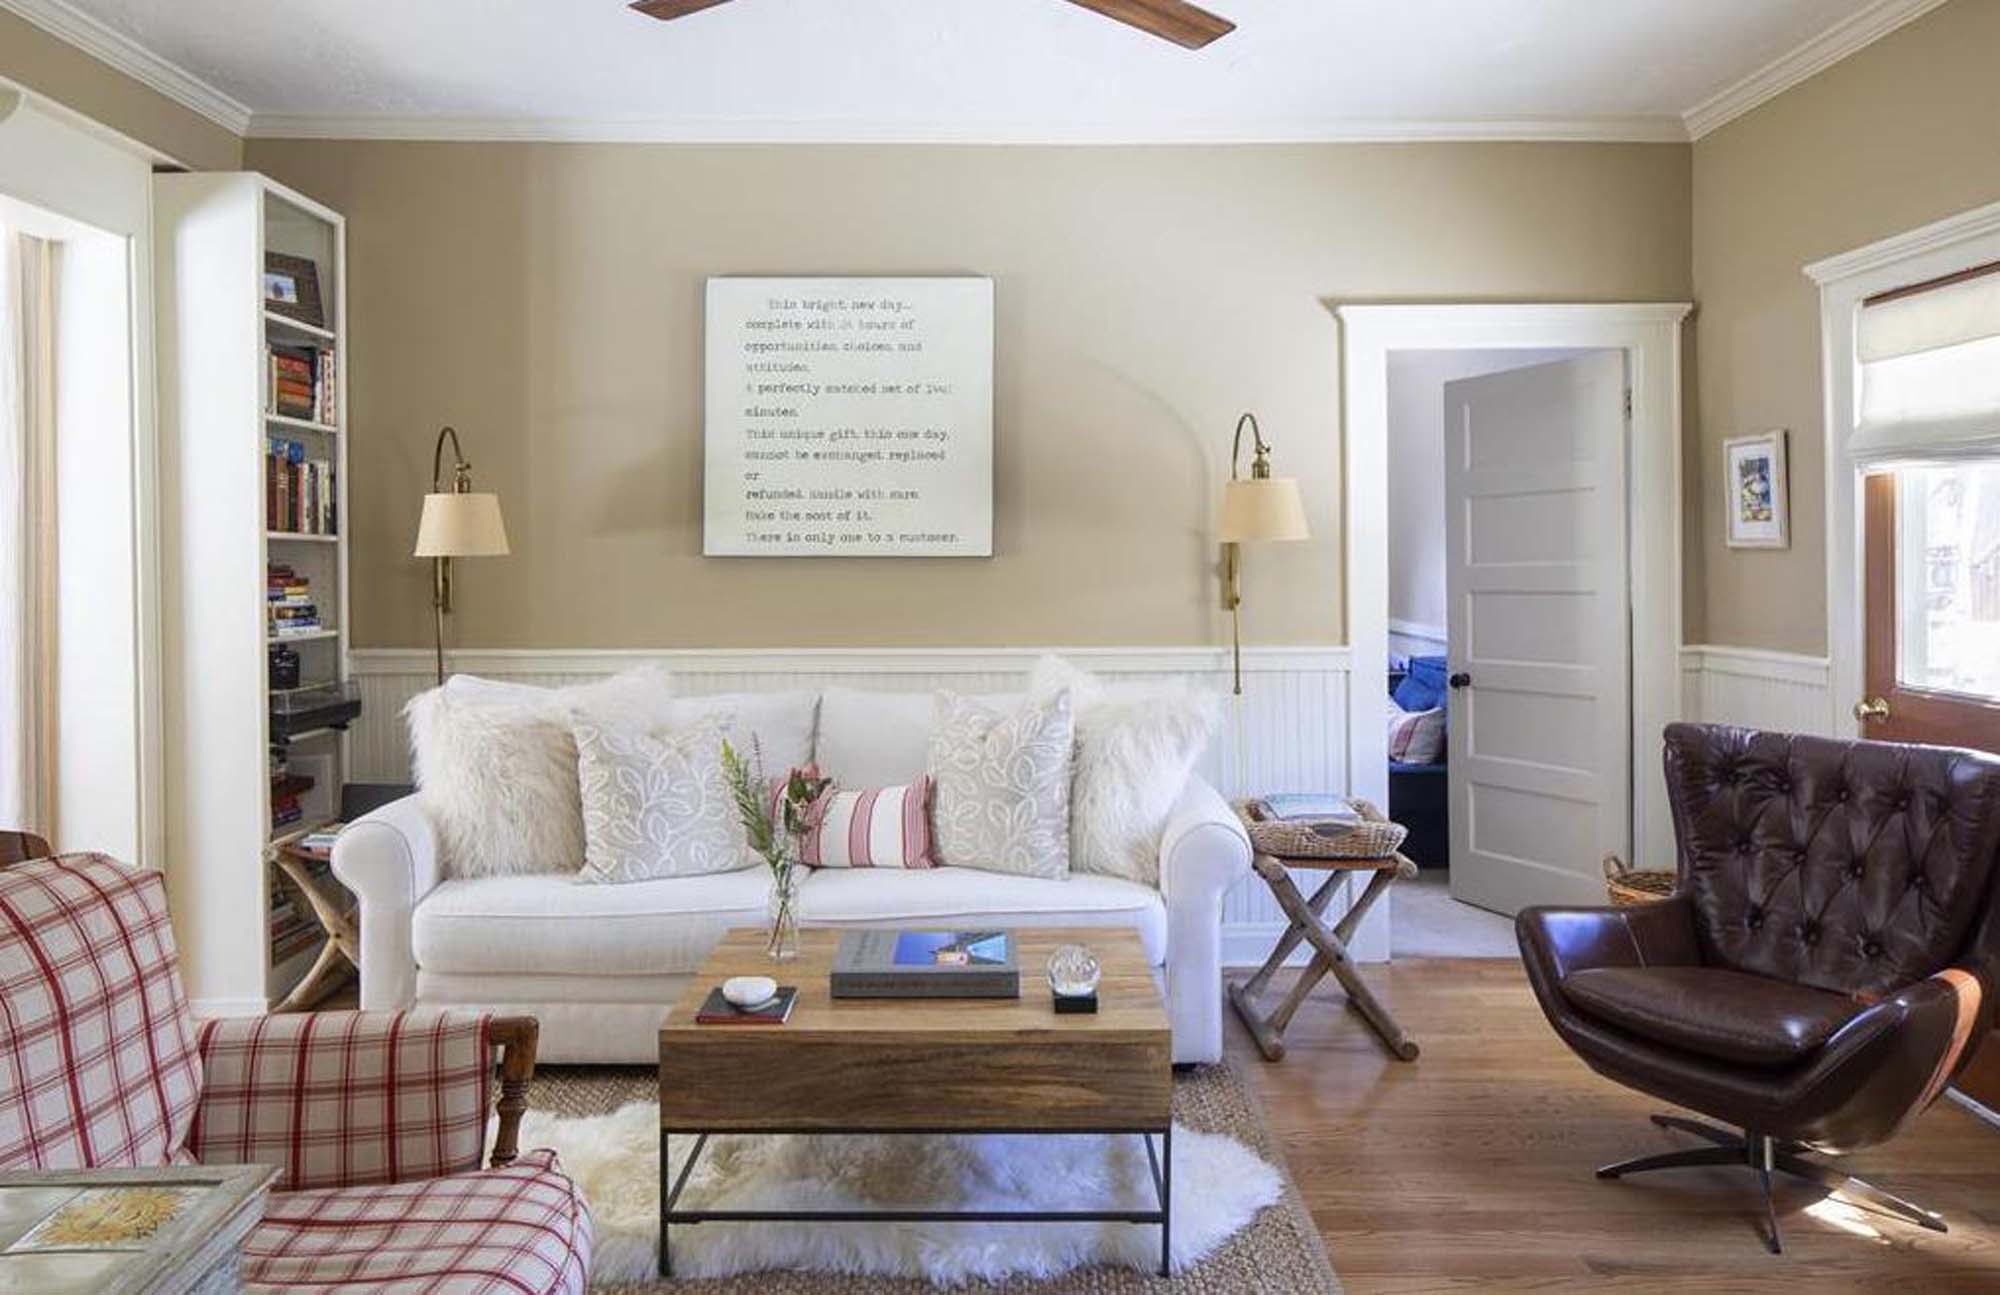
(1073, 972)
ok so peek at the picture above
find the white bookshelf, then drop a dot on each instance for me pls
(211, 234)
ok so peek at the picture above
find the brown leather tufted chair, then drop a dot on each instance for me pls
(1824, 967)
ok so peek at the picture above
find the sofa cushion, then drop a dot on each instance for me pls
(101, 1068)
(780, 724)
(881, 739)
(522, 1230)
(972, 897)
(1727, 1015)
(549, 924)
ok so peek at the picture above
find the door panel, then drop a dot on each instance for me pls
(1931, 563)
(1536, 611)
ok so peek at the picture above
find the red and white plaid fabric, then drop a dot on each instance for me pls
(97, 1050)
(340, 1099)
(522, 1230)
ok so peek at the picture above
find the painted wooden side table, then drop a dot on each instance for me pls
(174, 1230)
(1329, 944)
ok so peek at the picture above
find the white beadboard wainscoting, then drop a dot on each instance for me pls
(1753, 688)
(1288, 732)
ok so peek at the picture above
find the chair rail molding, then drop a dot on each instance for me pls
(1288, 732)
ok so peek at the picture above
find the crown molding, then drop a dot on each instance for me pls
(1845, 37)
(122, 53)
(1635, 129)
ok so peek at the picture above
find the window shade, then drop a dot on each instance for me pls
(1930, 371)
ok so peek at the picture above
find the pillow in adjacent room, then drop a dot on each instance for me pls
(882, 827)
(1416, 736)
(655, 806)
(1000, 798)
(495, 765)
(1136, 744)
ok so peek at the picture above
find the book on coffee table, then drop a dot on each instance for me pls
(717, 1010)
(925, 964)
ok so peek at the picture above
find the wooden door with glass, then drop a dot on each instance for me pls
(1931, 558)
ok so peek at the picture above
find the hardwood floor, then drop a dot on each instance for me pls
(1471, 1168)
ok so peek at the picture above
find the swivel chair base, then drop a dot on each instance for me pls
(1765, 1155)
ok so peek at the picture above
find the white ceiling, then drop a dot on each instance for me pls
(986, 70)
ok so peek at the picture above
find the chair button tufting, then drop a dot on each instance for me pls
(1743, 845)
(1755, 919)
(1903, 801)
(1809, 932)
(1870, 949)
(1855, 871)
(1841, 795)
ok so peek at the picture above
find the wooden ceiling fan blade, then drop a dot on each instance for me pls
(1175, 20)
(666, 10)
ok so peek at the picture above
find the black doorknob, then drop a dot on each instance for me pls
(1460, 680)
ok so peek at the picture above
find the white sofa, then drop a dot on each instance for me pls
(599, 964)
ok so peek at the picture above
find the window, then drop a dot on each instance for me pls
(1948, 578)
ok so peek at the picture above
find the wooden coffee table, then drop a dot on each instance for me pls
(933, 1066)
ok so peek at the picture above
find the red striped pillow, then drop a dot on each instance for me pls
(883, 827)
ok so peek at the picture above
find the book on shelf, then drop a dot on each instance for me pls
(301, 382)
(299, 493)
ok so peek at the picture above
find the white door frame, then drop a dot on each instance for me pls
(1944, 247)
(1650, 335)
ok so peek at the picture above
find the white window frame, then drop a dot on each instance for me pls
(1945, 247)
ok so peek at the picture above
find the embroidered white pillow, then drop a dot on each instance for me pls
(495, 765)
(1001, 795)
(655, 807)
(882, 827)
(1136, 744)
(1416, 736)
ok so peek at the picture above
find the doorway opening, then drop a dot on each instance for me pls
(1513, 495)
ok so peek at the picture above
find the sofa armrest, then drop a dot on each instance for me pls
(346, 1099)
(1204, 852)
(1561, 941)
(389, 859)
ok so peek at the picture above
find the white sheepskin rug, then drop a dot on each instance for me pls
(1219, 1186)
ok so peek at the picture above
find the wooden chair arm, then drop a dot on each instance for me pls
(20, 847)
(516, 1037)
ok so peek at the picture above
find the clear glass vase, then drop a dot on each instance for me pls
(782, 937)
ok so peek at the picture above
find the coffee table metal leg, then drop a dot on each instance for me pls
(667, 1204)
(1166, 1202)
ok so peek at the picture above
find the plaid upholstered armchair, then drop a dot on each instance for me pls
(376, 1121)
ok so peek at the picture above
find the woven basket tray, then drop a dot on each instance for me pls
(1374, 837)
(1629, 887)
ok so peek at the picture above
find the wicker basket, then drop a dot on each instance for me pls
(1374, 837)
(1630, 887)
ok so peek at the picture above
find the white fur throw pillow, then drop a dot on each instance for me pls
(1136, 745)
(495, 764)
(1000, 785)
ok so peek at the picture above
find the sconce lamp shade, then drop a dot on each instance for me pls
(464, 525)
(1262, 510)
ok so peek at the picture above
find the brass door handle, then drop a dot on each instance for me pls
(1871, 710)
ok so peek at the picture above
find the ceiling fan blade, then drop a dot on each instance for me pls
(670, 9)
(1174, 20)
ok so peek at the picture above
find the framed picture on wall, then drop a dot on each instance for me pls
(1757, 492)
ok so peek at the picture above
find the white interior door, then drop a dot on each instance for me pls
(1540, 636)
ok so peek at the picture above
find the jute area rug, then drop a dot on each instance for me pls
(1279, 1251)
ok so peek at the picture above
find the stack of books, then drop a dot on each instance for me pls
(299, 383)
(298, 491)
(288, 599)
(286, 790)
(292, 929)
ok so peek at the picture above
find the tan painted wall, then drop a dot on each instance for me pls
(546, 299)
(1903, 133)
(31, 57)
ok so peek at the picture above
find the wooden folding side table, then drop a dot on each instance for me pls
(1329, 949)
(340, 956)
